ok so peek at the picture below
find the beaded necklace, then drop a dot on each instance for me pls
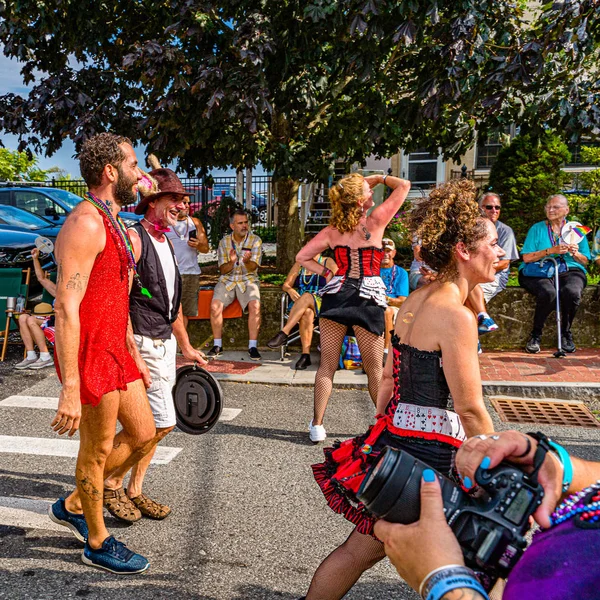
(584, 504)
(122, 236)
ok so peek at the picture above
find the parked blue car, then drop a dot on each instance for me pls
(17, 219)
(51, 203)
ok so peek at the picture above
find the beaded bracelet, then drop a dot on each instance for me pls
(575, 506)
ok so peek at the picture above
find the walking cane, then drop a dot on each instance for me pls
(560, 353)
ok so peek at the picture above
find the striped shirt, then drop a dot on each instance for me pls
(239, 275)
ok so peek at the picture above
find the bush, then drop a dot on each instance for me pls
(524, 175)
(397, 229)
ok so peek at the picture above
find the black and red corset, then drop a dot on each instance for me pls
(359, 262)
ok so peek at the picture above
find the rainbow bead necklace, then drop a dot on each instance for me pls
(123, 236)
(584, 504)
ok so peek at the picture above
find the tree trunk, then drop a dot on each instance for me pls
(288, 222)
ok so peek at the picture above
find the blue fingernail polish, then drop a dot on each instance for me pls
(485, 463)
(468, 483)
(428, 476)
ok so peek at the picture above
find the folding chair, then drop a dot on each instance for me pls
(295, 333)
(12, 285)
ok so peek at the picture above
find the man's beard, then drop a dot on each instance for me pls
(123, 190)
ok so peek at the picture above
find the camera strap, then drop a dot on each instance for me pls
(542, 449)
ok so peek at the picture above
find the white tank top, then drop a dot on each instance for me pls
(168, 266)
(187, 258)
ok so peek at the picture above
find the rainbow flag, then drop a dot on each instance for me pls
(582, 229)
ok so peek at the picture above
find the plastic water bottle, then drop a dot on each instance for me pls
(20, 303)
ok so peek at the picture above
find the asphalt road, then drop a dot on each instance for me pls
(248, 520)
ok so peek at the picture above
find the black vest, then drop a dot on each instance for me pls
(150, 316)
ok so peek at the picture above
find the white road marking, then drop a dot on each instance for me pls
(49, 402)
(66, 448)
(27, 513)
(229, 414)
(30, 402)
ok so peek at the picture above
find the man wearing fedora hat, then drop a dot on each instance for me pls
(35, 329)
(157, 328)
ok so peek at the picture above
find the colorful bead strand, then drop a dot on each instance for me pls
(123, 236)
(584, 504)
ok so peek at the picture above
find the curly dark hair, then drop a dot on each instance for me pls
(97, 152)
(448, 216)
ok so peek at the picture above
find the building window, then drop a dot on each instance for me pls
(422, 169)
(575, 150)
(487, 151)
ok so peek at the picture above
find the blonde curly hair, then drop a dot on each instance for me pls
(346, 210)
(448, 216)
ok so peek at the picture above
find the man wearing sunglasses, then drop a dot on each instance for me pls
(483, 293)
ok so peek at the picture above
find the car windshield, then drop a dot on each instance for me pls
(11, 215)
(70, 199)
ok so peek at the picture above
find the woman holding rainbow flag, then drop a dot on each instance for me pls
(566, 242)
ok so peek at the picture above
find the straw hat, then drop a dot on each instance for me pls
(43, 309)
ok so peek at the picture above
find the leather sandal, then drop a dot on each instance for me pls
(151, 508)
(120, 506)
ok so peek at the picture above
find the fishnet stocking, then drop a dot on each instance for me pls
(371, 350)
(332, 338)
(343, 567)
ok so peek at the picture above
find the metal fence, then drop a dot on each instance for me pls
(207, 194)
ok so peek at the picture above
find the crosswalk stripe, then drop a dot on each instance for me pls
(27, 513)
(229, 414)
(49, 402)
(30, 402)
(67, 448)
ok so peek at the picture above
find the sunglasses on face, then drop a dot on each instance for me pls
(491, 207)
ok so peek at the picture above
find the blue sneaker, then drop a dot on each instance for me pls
(114, 556)
(486, 325)
(76, 523)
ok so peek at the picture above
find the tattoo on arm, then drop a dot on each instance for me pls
(59, 273)
(77, 282)
(88, 487)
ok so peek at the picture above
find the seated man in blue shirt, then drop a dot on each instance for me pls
(396, 282)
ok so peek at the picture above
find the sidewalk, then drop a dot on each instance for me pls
(577, 376)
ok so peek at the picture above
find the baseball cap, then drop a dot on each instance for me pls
(388, 243)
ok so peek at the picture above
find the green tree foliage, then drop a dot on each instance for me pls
(294, 84)
(21, 166)
(525, 173)
(586, 208)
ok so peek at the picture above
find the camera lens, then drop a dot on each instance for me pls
(391, 490)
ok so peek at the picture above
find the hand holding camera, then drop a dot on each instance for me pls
(490, 529)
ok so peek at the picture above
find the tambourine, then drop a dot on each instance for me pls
(198, 399)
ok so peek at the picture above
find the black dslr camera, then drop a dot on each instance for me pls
(490, 529)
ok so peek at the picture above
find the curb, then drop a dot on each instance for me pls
(522, 389)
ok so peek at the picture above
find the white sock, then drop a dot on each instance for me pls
(218, 342)
(44, 355)
(253, 344)
(31, 354)
(483, 315)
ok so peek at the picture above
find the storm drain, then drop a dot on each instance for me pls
(544, 411)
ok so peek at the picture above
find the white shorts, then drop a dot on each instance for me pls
(160, 357)
(490, 289)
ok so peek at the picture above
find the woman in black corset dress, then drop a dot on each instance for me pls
(430, 398)
(355, 297)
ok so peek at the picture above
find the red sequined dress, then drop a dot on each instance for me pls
(356, 295)
(423, 424)
(105, 364)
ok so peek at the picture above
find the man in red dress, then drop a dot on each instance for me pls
(101, 381)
